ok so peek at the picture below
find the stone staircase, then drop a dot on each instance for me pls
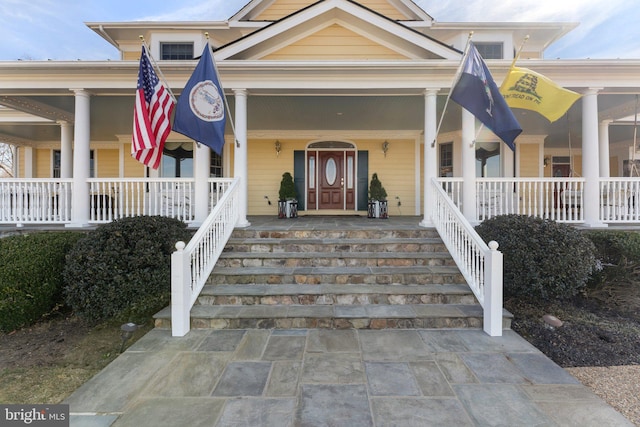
(347, 278)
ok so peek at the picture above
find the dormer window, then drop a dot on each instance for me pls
(490, 50)
(176, 51)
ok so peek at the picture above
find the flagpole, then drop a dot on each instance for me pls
(455, 79)
(224, 95)
(153, 60)
(517, 56)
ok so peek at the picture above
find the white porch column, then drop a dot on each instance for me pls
(430, 154)
(468, 152)
(28, 162)
(81, 160)
(240, 168)
(604, 149)
(590, 158)
(202, 159)
(66, 150)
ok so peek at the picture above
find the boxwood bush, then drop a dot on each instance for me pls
(543, 259)
(123, 269)
(618, 257)
(31, 282)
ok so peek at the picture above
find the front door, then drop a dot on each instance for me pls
(331, 180)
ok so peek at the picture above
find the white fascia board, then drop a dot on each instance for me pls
(406, 6)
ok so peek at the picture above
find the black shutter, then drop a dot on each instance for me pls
(363, 180)
(298, 177)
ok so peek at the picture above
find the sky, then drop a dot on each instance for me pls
(56, 30)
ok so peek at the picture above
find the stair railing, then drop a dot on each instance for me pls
(192, 263)
(479, 263)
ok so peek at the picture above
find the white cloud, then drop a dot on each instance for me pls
(217, 10)
(598, 35)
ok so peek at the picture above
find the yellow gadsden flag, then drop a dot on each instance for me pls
(523, 88)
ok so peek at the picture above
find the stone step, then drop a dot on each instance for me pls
(334, 245)
(415, 275)
(256, 294)
(333, 316)
(334, 259)
(356, 233)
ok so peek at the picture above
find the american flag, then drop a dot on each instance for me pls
(151, 125)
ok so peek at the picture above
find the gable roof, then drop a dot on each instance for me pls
(258, 10)
(349, 14)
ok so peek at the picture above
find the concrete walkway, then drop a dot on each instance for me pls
(319, 377)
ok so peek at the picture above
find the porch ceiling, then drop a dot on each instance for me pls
(111, 115)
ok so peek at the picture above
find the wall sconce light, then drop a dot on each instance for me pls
(546, 161)
(385, 147)
(278, 146)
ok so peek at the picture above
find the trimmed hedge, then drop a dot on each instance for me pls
(31, 276)
(123, 269)
(543, 259)
(618, 255)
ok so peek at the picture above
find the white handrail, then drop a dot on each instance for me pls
(479, 263)
(191, 264)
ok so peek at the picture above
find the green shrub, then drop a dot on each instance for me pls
(618, 255)
(123, 268)
(543, 259)
(287, 188)
(31, 276)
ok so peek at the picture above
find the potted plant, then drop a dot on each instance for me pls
(287, 203)
(377, 199)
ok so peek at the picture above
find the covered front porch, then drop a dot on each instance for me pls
(26, 201)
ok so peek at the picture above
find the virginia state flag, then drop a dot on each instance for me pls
(526, 89)
(200, 112)
(478, 93)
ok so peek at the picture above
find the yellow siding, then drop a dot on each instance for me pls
(42, 164)
(577, 166)
(613, 166)
(281, 8)
(131, 56)
(132, 167)
(108, 163)
(529, 160)
(334, 43)
(396, 172)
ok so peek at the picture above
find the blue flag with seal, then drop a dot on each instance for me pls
(200, 112)
(478, 93)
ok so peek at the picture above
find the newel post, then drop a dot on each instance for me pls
(180, 292)
(493, 281)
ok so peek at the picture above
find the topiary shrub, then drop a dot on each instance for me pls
(543, 259)
(376, 190)
(123, 268)
(31, 276)
(618, 256)
(287, 189)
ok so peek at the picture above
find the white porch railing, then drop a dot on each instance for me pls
(480, 264)
(620, 200)
(24, 201)
(558, 199)
(114, 198)
(191, 264)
